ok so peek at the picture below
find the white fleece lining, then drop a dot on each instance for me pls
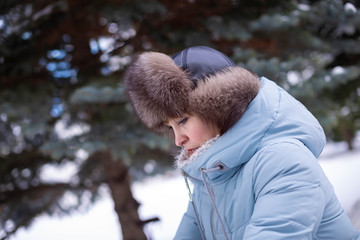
(184, 159)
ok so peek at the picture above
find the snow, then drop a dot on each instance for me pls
(343, 172)
(98, 223)
(166, 197)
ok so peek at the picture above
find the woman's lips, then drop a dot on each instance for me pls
(191, 151)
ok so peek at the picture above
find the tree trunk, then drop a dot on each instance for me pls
(347, 131)
(126, 206)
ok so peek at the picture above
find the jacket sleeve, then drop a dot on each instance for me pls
(188, 228)
(289, 201)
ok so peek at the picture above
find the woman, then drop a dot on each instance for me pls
(248, 147)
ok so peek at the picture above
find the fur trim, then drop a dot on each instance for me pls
(184, 159)
(158, 89)
(223, 98)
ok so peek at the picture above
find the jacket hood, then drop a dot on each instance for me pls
(273, 116)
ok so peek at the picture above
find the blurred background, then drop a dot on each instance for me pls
(69, 139)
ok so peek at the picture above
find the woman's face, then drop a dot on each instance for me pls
(191, 132)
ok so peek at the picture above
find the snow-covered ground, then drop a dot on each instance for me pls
(166, 197)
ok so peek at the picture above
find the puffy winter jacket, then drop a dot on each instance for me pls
(261, 179)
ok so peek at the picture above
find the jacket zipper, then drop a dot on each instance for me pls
(212, 197)
(192, 203)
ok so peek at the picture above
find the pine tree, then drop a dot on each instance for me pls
(61, 70)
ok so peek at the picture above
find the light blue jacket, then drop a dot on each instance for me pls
(261, 179)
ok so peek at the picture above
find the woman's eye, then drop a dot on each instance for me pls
(183, 121)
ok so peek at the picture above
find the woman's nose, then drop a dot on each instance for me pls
(180, 139)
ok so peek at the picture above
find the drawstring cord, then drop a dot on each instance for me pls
(211, 194)
(193, 205)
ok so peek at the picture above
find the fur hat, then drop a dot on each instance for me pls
(197, 80)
